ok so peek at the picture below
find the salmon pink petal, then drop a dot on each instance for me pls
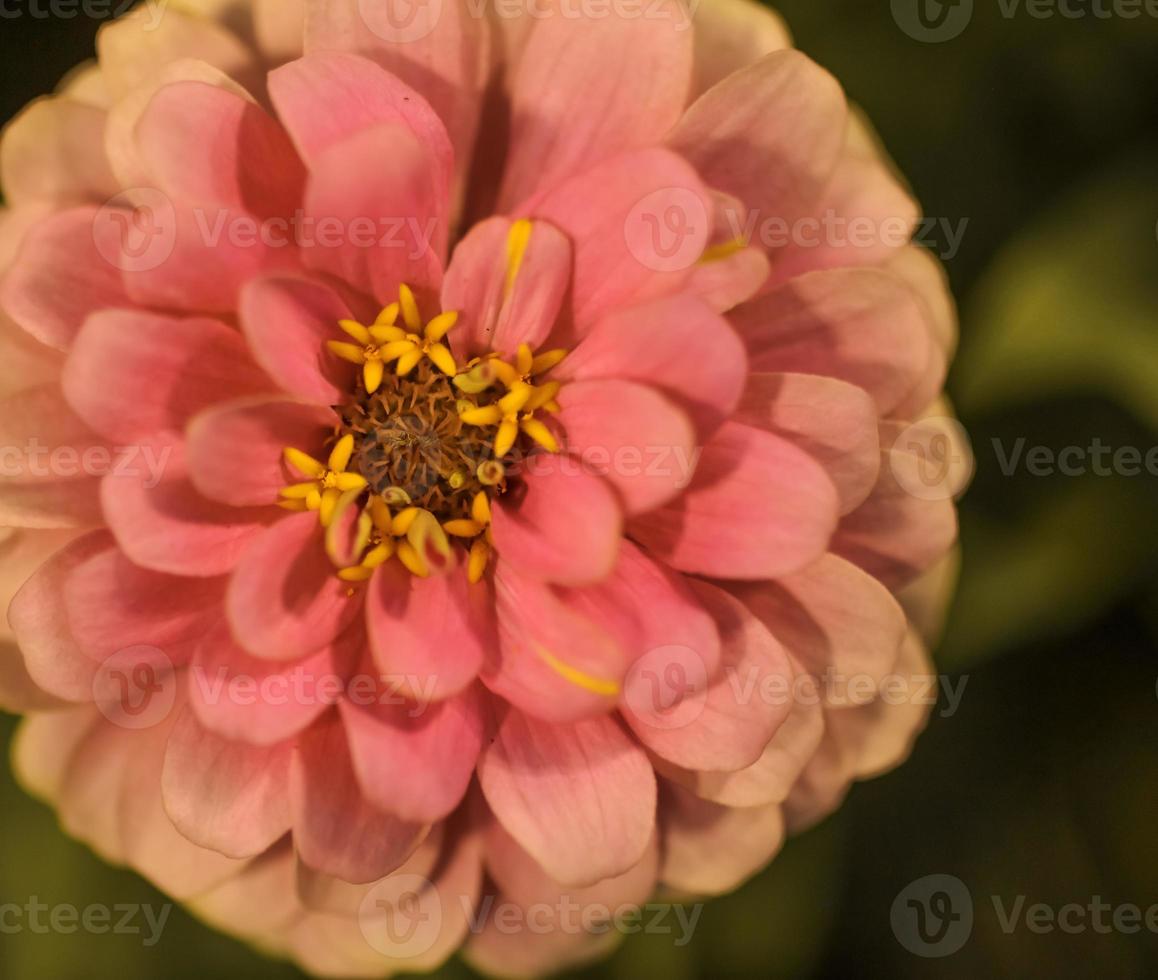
(53, 152)
(710, 849)
(727, 281)
(172, 367)
(506, 300)
(43, 747)
(30, 293)
(378, 214)
(619, 216)
(284, 600)
(732, 34)
(726, 727)
(412, 760)
(770, 135)
(430, 636)
(336, 831)
(568, 112)
(554, 661)
(287, 321)
(261, 702)
(226, 796)
(163, 523)
(209, 146)
(833, 421)
(758, 507)
(566, 527)
(234, 451)
(580, 799)
(831, 615)
(27, 363)
(862, 326)
(632, 436)
(676, 344)
(440, 51)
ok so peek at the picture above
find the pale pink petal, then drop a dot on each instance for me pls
(862, 326)
(227, 796)
(498, 312)
(638, 223)
(726, 282)
(710, 849)
(566, 526)
(174, 368)
(285, 600)
(732, 34)
(287, 321)
(257, 901)
(163, 523)
(44, 745)
(580, 799)
(568, 111)
(554, 661)
(26, 363)
(234, 450)
(921, 270)
(832, 617)
(261, 702)
(429, 636)
(412, 760)
(676, 344)
(833, 421)
(758, 507)
(31, 293)
(770, 135)
(279, 28)
(632, 436)
(726, 727)
(211, 147)
(336, 831)
(53, 152)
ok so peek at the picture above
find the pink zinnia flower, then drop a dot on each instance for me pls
(429, 481)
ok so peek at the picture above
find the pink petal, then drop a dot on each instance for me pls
(163, 523)
(676, 344)
(30, 293)
(209, 146)
(732, 34)
(493, 316)
(287, 322)
(336, 831)
(132, 374)
(259, 899)
(757, 508)
(580, 799)
(243, 698)
(770, 135)
(638, 223)
(380, 216)
(234, 451)
(833, 617)
(285, 600)
(834, 422)
(710, 849)
(632, 436)
(567, 110)
(43, 747)
(725, 283)
(566, 526)
(27, 363)
(429, 636)
(862, 326)
(726, 727)
(412, 760)
(53, 152)
(554, 661)
(226, 796)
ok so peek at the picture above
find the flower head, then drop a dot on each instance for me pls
(499, 447)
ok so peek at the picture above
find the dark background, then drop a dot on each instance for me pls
(1042, 133)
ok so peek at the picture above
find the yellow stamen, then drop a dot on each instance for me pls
(540, 433)
(480, 553)
(410, 314)
(547, 360)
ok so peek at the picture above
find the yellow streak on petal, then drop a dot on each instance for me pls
(518, 240)
(725, 250)
(596, 685)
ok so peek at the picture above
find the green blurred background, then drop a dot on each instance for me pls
(1043, 133)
